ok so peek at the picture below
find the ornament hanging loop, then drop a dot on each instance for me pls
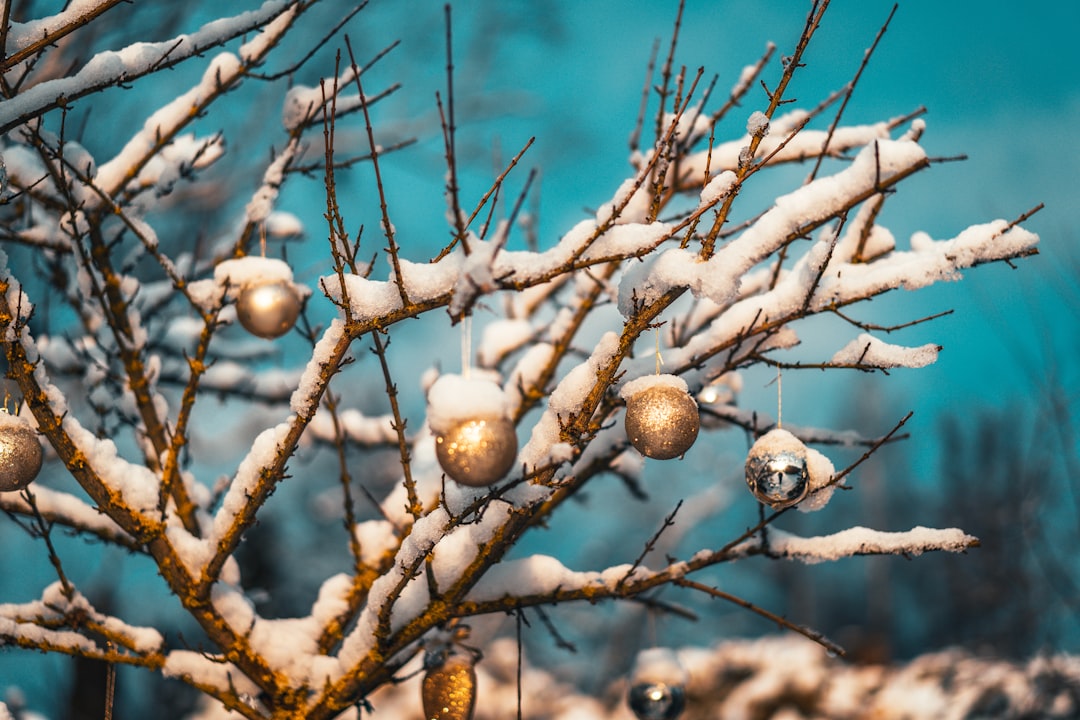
(659, 357)
(779, 397)
(466, 346)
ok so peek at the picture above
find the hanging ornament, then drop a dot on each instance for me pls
(20, 452)
(477, 452)
(267, 301)
(475, 440)
(657, 686)
(268, 309)
(662, 419)
(449, 688)
(776, 469)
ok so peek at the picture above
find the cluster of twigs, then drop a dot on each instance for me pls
(102, 224)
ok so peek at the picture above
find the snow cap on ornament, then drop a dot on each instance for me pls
(267, 301)
(662, 419)
(20, 452)
(475, 440)
(657, 685)
(781, 471)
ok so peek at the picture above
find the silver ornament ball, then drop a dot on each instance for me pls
(776, 470)
(20, 453)
(656, 700)
(662, 421)
(268, 309)
(477, 452)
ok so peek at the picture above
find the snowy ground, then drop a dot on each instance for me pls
(778, 678)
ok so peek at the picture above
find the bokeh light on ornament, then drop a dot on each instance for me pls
(656, 701)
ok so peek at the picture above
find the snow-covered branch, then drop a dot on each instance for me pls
(110, 68)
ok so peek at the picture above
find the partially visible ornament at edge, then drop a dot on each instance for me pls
(657, 685)
(662, 420)
(449, 688)
(20, 452)
(656, 701)
(477, 451)
(776, 469)
(268, 309)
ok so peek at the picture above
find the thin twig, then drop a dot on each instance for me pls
(806, 632)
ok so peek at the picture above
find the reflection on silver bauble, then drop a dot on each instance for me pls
(662, 421)
(656, 700)
(20, 453)
(477, 452)
(268, 309)
(776, 470)
(449, 690)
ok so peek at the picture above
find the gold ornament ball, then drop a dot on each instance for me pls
(662, 421)
(477, 452)
(449, 690)
(268, 309)
(20, 453)
(776, 469)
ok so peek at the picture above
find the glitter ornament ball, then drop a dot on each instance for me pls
(662, 421)
(776, 469)
(449, 689)
(478, 451)
(656, 700)
(268, 309)
(20, 452)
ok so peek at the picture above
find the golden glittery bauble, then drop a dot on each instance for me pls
(662, 421)
(20, 453)
(268, 309)
(477, 452)
(776, 470)
(449, 690)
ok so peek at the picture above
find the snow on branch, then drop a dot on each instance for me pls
(70, 511)
(26, 38)
(42, 623)
(113, 67)
(860, 541)
(867, 351)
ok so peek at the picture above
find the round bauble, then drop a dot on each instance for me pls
(656, 700)
(449, 689)
(268, 309)
(20, 453)
(776, 469)
(478, 451)
(662, 421)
